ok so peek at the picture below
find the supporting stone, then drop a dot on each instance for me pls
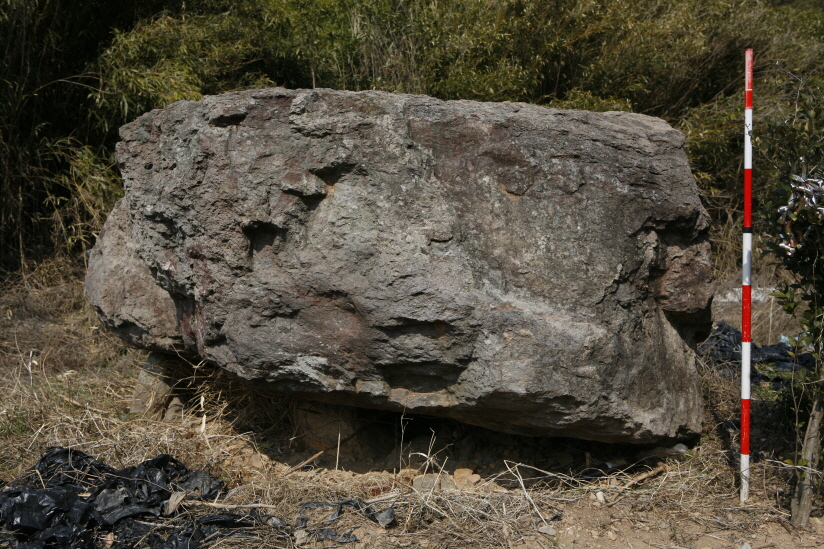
(154, 395)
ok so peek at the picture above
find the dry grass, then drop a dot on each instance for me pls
(65, 383)
(769, 321)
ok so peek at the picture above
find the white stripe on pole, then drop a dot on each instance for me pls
(747, 138)
(746, 261)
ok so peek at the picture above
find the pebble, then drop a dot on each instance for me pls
(433, 481)
(548, 530)
(301, 537)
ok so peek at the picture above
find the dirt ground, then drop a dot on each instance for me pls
(65, 382)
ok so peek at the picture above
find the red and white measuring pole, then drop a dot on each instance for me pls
(746, 283)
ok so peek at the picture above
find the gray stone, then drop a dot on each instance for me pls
(154, 394)
(530, 270)
(548, 530)
(174, 411)
(154, 389)
(433, 482)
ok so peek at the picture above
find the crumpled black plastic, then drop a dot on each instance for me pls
(68, 499)
(53, 517)
(189, 538)
(130, 533)
(331, 535)
(68, 494)
(383, 518)
(144, 489)
(723, 347)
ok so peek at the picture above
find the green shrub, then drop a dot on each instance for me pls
(794, 214)
(79, 70)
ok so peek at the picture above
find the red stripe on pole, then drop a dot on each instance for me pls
(746, 314)
(745, 426)
(747, 198)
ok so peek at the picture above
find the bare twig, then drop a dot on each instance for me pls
(660, 468)
(79, 405)
(305, 462)
(517, 474)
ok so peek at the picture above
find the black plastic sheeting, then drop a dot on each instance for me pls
(69, 497)
(70, 500)
(383, 518)
(723, 349)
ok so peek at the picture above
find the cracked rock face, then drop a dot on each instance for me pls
(530, 270)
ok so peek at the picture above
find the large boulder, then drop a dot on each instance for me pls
(530, 270)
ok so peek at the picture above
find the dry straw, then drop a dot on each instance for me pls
(65, 383)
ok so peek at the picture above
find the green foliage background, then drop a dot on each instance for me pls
(73, 71)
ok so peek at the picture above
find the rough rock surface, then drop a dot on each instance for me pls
(530, 270)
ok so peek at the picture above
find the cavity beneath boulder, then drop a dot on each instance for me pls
(529, 270)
